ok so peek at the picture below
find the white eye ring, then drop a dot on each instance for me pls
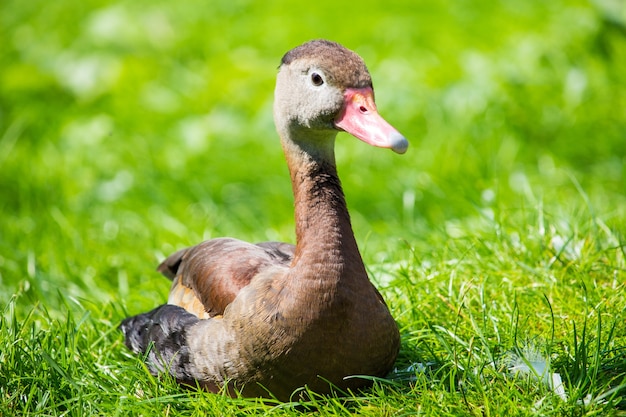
(316, 79)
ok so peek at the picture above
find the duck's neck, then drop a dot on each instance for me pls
(326, 246)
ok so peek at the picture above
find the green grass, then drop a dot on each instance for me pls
(131, 129)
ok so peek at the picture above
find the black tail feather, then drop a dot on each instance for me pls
(164, 328)
(169, 266)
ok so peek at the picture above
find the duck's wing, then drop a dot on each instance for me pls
(207, 277)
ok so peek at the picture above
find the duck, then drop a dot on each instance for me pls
(274, 319)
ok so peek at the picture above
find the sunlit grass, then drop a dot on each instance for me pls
(129, 130)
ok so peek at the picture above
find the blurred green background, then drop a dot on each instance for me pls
(129, 129)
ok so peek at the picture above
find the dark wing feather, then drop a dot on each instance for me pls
(280, 251)
(212, 273)
(165, 327)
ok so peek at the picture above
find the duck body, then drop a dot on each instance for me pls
(267, 319)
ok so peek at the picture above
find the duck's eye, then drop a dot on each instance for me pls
(317, 79)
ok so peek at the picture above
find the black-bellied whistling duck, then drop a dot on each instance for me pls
(268, 318)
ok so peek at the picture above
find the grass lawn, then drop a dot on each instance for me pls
(131, 129)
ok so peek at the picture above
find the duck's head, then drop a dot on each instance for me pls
(323, 88)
